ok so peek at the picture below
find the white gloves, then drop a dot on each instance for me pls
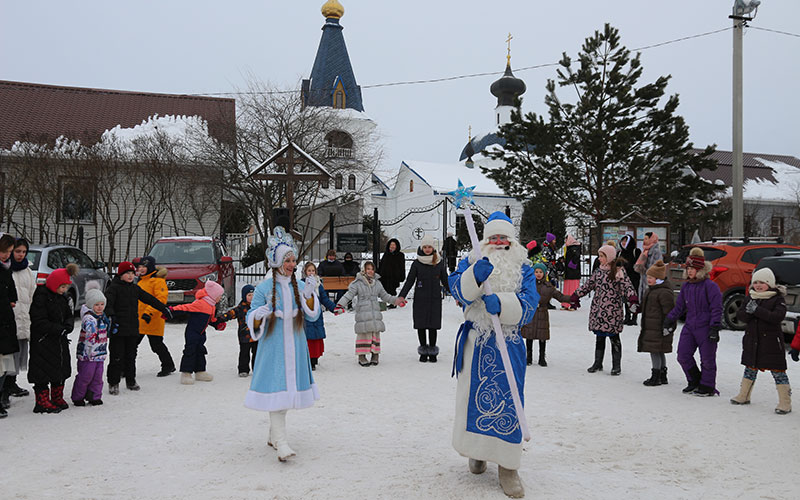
(261, 312)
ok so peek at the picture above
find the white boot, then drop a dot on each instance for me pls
(203, 376)
(186, 378)
(277, 423)
(271, 438)
(510, 482)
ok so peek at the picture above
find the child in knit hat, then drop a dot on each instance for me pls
(92, 348)
(247, 346)
(657, 302)
(201, 313)
(701, 301)
(612, 289)
(763, 345)
(539, 327)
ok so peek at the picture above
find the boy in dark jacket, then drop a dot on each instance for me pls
(51, 323)
(247, 346)
(122, 306)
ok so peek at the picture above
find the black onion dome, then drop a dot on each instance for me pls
(507, 88)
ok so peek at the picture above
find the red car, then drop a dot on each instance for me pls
(733, 262)
(190, 262)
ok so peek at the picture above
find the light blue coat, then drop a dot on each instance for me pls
(282, 376)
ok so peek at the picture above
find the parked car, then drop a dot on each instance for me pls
(44, 259)
(786, 269)
(190, 262)
(733, 262)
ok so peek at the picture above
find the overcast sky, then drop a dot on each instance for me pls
(198, 46)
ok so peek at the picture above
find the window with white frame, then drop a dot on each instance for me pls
(776, 227)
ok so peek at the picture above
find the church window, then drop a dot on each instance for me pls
(338, 181)
(325, 183)
(411, 186)
(338, 144)
(351, 182)
(338, 99)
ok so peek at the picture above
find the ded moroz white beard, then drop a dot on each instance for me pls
(506, 277)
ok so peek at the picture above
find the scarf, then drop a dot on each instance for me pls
(762, 295)
(6, 264)
(646, 249)
(427, 259)
(369, 280)
(19, 266)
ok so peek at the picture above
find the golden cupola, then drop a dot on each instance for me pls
(332, 8)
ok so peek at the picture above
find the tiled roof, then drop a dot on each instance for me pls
(332, 63)
(41, 113)
(753, 169)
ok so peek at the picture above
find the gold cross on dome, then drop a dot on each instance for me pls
(508, 41)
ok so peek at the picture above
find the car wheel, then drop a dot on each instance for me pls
(730, 307)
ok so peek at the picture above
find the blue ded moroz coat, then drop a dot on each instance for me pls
(282, 370)
(486, 425)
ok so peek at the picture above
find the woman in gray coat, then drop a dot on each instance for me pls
(369, 321)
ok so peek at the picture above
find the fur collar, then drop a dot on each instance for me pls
(701, 273)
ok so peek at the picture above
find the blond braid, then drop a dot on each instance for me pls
(299, 320)
(272, 316)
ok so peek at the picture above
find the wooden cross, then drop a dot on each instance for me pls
(289, 176)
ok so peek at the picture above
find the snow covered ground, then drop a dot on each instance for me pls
(384, 432)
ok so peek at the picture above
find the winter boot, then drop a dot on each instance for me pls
(166, 371)
(57, 397)
(80, 402)
(186, 378)
(510, 482)
(423, 353)
(477, 466)
(374, 358)
(616, 355)
(133, 387)
(542, 351)
(3, 413)
(693, 379)
(313, 364)
(655, 379)
(4, 402)
(598, 361)
(433, 352)
(277, 424)
(784, 399)
(664, 380)
(704, 391)
(13, 389)
(96, 402)
(203, 376)
(113, 389)
(743, 398)
(362, 360)
(529, 351)
(43, 404)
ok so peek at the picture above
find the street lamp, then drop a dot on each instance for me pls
(740, 15)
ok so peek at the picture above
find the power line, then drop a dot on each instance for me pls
(774, 31)
(475, 75)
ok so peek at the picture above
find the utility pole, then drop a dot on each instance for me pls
(740, 16)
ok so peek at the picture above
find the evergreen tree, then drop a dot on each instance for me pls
(543, 214)
(616, 148)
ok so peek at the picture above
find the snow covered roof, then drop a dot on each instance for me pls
(33, 112)
(479, 143)
(785, 188)
(443, 177)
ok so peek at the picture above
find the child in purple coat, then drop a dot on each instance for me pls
(92, 348)
(701, 300)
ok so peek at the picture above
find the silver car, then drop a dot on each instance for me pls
(44, 259)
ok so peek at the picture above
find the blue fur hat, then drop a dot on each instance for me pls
(499, 223)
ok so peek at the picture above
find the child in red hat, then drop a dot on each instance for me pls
(51, 323)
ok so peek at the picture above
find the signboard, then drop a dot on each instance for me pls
(352, 242)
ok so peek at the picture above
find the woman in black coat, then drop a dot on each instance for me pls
(630, 252)
(430, 275)
(122, 306)
(392, 268)
(52, 321)
(8, 324)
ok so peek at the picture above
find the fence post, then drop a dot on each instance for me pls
(331, 235)
(444, 231)
(80, 237)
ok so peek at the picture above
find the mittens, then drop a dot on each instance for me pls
(751, 306)
(795, 354)
(482, 269)
(146, 317)
(339, 309)
(633, 301)
(575, 301)
(261, 312)
(492, 303)
(220, 325)
(713, 334)
(669, 326)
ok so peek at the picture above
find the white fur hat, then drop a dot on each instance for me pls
(764, 275)
(498, 223)
(93, 294)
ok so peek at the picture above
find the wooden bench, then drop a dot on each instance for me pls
(336, 283)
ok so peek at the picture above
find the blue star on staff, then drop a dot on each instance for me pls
(462, 195)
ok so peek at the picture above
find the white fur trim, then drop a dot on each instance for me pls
(510, 308)
(281, 400)
(498, 226)
(469, 287)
